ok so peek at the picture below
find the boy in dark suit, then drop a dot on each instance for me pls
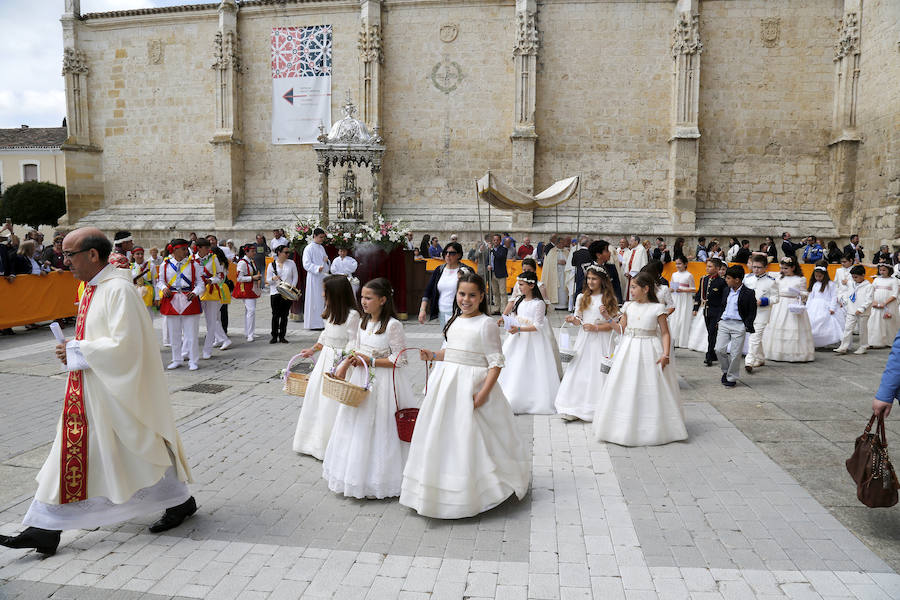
(738, 314)
(710, 294)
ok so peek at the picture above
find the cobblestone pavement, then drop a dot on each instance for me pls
(756, 504)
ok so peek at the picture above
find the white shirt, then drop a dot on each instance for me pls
(731, 306)
(447, 289)
(279, 241)
(286, 271)
(344, 266)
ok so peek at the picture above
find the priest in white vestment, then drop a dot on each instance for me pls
(315, 261)
(549, 273)
(117, 454)
(634, 260)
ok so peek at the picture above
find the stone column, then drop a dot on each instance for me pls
(684, 143)
(323, 192)
(84, 167)
(524, 136)
(845, 139)
(371, 57)
(228, 159)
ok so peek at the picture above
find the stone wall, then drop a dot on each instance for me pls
(765, 103)
(878, 164)
(603, 96)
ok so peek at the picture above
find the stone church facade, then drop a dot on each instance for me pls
(687, 117)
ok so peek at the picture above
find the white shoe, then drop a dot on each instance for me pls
(566, 417)
(861, 350)
(206, 356)
(193, 367)
(225, 345)
(173, 365)
(840, 351)
(249, 338)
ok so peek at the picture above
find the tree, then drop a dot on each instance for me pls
(34, 203)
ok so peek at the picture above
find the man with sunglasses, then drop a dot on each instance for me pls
(117, 454)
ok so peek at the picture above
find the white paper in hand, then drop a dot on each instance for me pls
(510, 321)
(180, 302)
(57, 332)
(564, 340)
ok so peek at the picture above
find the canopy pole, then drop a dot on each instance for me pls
(478, 206)
(578, 221)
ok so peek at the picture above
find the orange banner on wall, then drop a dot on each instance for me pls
(37, 298)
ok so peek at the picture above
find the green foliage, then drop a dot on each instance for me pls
(33, 203)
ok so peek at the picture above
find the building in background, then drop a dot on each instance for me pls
(32, 154)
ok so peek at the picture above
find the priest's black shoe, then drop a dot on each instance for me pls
(44, 541)
(175, 516)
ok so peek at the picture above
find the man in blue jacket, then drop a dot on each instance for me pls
(498, 274)
(889, 390)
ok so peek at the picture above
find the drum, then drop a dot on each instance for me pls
(287, 291)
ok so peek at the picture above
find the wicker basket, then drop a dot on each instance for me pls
(566, 351)
(295, 383)
(343, 391)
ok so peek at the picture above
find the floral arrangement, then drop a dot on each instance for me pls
(381, 232)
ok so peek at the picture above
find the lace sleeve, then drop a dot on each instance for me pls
(578, 312)
(490, 339)
(540, 311)
(397, 342)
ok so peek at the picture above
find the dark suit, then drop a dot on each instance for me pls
(5, 266)
(790, 248)
(498, 255)
(714, 291)
(731, 334)
(613, 273)
(746, 306)
(664, 257)
(579, 258)
(497, 282)
(742, 256)
(848, 249)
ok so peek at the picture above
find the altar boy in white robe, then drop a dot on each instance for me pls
(117, 454)
(315, 261)
(346, 265)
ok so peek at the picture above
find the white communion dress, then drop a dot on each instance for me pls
(530, 380)
(640, 404)
(318, 413)
(680, 320)
(365, 456)
(883, 330)
(788, 337)
(583, 380)
(827, 328)
(465, 460)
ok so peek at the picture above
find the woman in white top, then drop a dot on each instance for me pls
(318, 413)
(282, 269)
(883, 318)
(247, 287)
(683, 287)
(530, 380)
(788, 338)
(583, 380)
(466, 455)
(437, 302)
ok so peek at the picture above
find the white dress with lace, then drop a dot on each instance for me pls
(827, 327)
(883, 330)
(465, 460)
(583, 380)
(640, 404)
(318, 413)
(789, 337)
(530, 380)
(680, 320)
(365, 456)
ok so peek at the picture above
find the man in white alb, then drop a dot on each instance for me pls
(315, 261)
(634, 260)
(117, 454)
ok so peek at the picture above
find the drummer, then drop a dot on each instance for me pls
(142, 277)
(346, 265)
(281, 273)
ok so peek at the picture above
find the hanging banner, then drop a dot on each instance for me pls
(301, 83)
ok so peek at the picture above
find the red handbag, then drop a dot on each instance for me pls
(406, 417)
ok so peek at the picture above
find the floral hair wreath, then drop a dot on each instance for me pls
(595, 268)
(821, 268)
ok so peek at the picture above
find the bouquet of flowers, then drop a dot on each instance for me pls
(386, 234)
(343, 236)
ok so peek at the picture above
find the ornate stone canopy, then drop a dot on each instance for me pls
(348, 143)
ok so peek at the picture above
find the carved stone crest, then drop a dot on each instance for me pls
(527, 35)
(446, 75)
(848, 40)
(686, 35)
(369, 43)
(226, 50)
(449, 31)
(155, 52)
(74, 62)
(770, 29)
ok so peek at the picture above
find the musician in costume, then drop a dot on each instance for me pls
(142, 277)
(248, 287)
(215, 293)
(123, 243)
(315, 261)
(117, 454)
(180, 286)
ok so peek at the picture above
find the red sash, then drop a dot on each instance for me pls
(74, 451)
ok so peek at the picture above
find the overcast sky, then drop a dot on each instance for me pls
(32, 91)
